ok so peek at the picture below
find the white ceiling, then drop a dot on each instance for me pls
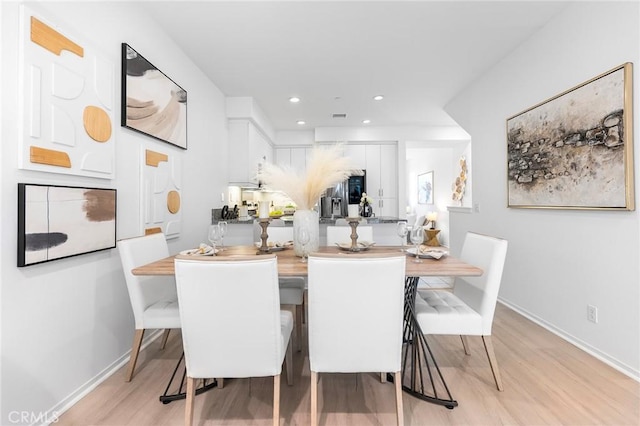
(336, 56)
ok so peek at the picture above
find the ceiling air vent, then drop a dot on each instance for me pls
(339, 115)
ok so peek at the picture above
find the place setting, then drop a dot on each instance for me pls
(201, 250)
(276, 245)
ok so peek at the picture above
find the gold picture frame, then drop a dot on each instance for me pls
(575, 150)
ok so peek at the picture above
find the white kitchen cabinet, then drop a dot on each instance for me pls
(358, 155)
(248, 148)
(283, 157)
(382, 178)
(299, 158)
(295, 157)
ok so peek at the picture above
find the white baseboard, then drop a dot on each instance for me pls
(92, 383)
(606, 358)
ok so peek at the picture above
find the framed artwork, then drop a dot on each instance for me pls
(425, 188)
(55, 222)
(575, 150)
(67, 109)
(152, 103)
(161, 189)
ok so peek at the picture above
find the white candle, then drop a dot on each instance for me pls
(263, 212)
(353, 210)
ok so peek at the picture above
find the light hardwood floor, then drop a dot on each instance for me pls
(547, 381)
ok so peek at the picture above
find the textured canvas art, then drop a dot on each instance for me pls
(152, 103)
(161, 193)
(67, 92)
(55, 222)
(575, 150)
(425, 188)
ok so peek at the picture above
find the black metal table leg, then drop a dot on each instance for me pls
(167, 397)
(417, 357)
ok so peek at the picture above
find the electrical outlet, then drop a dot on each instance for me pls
(592, 313)
(476, 207)
(222, 197)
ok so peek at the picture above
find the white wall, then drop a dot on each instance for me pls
(66, 322)
(559, 260)
(440, 161)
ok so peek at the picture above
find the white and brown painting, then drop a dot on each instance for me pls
(68, 93)
(161, 185)
(55, 222)
(573, 151)
(152, 103)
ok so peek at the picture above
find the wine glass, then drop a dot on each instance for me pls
(223, 231)
(417, 237)
(303, 238)
(401, 230)
(214, 236)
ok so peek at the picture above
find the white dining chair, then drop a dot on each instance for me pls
(153, 298)
(342, 234)
(242, 336)
(469, 309)
(291, 288)
(355, 318)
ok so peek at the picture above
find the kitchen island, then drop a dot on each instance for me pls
(244, 232)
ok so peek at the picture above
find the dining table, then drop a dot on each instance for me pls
(422, 377)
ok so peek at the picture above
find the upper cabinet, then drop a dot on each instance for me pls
(248, 148)
(294, 157)
(357, 154)
(382, 178)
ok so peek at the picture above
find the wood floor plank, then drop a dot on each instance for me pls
(547, 381)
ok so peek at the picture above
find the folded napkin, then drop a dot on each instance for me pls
(203, 249)
(431, 252)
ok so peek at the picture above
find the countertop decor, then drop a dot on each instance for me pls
(327, 167)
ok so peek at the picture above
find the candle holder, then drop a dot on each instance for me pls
(353, 223)
(264, 248)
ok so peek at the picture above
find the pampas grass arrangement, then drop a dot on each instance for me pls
(327, 167)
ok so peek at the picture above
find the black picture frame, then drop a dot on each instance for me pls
(57, 222)
(151, 102)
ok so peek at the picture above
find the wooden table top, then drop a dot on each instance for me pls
(290, 265)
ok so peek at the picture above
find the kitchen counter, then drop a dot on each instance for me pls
(246, 232)
(288, 220)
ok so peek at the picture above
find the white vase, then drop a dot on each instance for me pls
(310, 220)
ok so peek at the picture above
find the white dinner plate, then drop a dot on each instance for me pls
(428, 253)
(197, 252)
(362, 246)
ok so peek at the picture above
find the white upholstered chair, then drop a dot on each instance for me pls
(469, 309)
(291, 288)
(224, 332)
(355, 318)
(153, 298)
(342, 234)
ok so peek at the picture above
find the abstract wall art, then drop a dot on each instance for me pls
(55, 222)
(425, 188)
(152, 103)
(575, 150)
(67, 102)
(161, 193)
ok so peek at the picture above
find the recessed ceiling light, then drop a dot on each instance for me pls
(294, 100)
(378, 97)
(301, 122)
(366, 121)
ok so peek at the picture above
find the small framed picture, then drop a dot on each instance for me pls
(425, 188)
